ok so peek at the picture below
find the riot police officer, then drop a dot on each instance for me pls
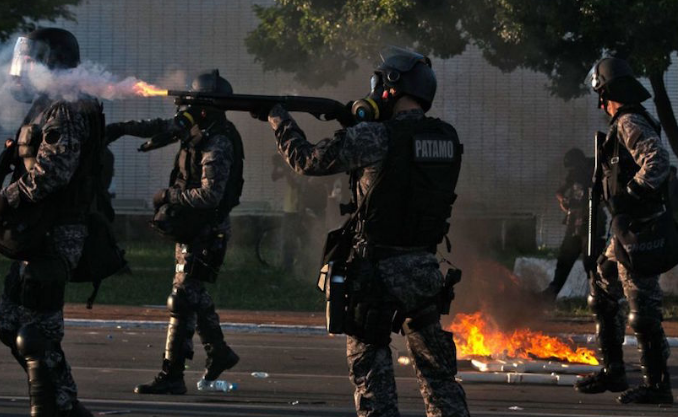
(635, 170)
(572, 198)
(404, 168)
(52, 190)
(205, 185)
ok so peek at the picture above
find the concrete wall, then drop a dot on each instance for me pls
(514, 132)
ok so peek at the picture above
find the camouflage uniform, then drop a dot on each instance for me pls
(612, 283)
(64, 130)
(409, 279)
(217, 158)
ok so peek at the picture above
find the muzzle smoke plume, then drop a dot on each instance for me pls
(88, 79)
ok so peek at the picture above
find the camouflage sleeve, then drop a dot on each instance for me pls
(349, 149)
(217, 159)
(646, 148)
(147, 128)
(58, 156)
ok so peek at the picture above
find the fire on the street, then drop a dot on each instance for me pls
(148, 90)
(476, 335)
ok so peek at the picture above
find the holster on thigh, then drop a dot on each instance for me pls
(205, 259)
(43, 283)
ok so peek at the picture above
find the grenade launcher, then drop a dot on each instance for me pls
(322, 108)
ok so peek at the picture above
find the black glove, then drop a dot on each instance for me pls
(4, 204)
(260, 114)
(160, 198)
(637, 191)
(114, 131)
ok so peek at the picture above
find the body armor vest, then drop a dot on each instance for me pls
(618, 165)
(187, 173)
(413, 196)
(23, 230)
(75, 199)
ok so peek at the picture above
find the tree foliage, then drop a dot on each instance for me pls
(320, 40)
(21, 15)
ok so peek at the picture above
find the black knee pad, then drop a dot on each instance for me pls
(31, 342)
(645, 323)
(177, 304)
(600, 304)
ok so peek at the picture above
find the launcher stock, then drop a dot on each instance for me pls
(322, 108)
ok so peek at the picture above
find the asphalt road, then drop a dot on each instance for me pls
(307, 376)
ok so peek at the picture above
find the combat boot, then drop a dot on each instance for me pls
(611, 378)
(220, 357)
(647, 394)
(656, 387)
(169, 381)
(78, 410)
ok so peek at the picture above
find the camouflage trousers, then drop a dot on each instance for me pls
(616, 292)
(66, 245)
(197, 263)
(412, 281)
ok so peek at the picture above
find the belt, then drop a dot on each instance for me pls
(378, 252)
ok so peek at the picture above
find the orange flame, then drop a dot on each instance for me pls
(477, 336)
(148, 90)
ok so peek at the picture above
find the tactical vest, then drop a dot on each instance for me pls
(617, 162)
(187, 173)
(22, 230)
(412, 199)
(75, 199)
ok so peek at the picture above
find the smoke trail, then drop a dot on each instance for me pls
(88, 79)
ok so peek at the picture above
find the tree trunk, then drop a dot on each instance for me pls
(664, 110)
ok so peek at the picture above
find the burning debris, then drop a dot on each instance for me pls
(476, 335)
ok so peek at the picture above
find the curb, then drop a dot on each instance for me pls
(586, 338)
(229, 327)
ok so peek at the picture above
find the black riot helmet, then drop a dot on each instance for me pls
(574, 158)
(208, 82)
(54, 48)
(407, 73)
(211, 82)
(613, 79)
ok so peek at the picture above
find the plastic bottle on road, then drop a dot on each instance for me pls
(260, 374)
(218, 385)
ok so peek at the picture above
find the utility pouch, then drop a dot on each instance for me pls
(333, 282)
(43, 282)
(23, 230)
(180, 223)
(452, 277)
(648, 247)
(206, 258)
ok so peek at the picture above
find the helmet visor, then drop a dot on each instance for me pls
(593, 78)
(26, 53)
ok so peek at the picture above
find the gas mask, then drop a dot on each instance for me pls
(378, 105)
(187, 121)
(28, 53)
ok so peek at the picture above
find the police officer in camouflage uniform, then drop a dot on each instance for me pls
(56, 145)
(205, 185)
(572, 197)
(406, 165)
(635, 170)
